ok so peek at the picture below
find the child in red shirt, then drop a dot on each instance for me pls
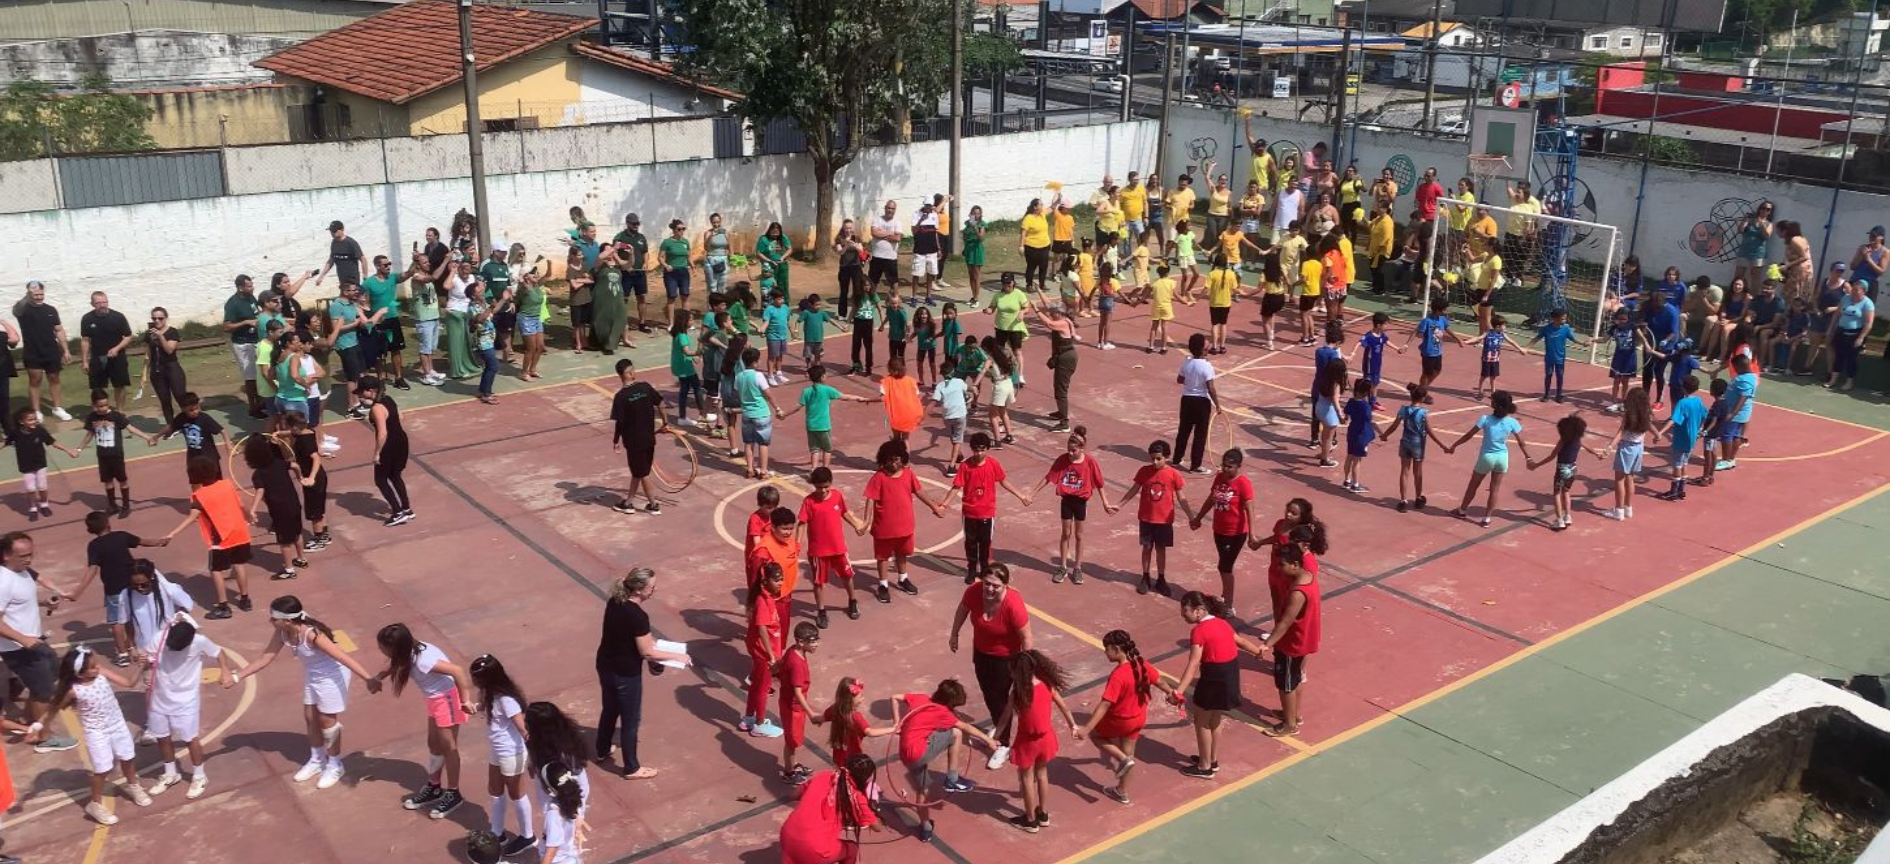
(822, 514)
(1230, 500)
(826, 823)
(850, 730)
(978, 478)
(1038, 686)
(1297, 625)
(779, 544)
(764, 637)
(766, 499)
(929, 727)
(1117, 723)
(889, 515)
(796, 677)
(1078, 477)
(1157, 485)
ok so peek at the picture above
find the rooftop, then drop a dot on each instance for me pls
(1689, 132)
(650, 68)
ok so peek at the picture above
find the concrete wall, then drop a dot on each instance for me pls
(64, 19)
(212, 117)
(1678, 207)
(147, 59)
(209, 241)
(27, 186)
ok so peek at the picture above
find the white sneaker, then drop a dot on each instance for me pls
(136, 793)
(331, 775)
(166, 781)
(1630, 511)
(60, 413)
(99, 814)
(765, 729)
(198, 783)
(998, 758)
(330, 439)
(146, 739)
(1109, 346)
(685, 421)
(309, 770)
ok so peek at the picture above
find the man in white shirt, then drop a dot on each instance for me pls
(23, 637)
(884, 249)
(926, 253)
(1286, 210)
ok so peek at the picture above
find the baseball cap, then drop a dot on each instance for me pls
(1008, 279)
(1876, 230)
(1861, 283)
(366, 383)
(1838, 267)
(633, 219)
(335, 225)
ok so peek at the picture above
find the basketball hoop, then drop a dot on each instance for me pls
(1486, 166)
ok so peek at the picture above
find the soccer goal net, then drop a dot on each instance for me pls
(1532, 263)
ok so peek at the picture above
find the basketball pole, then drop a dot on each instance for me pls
(1647, 141)
(1837, 189)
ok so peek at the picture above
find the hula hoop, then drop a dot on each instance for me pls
(229, 459)
(664, 480)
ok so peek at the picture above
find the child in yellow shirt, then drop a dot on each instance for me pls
(1161, 309)
(1378, 246)
(1086, 277)
(1139, 261)
(1311, 275)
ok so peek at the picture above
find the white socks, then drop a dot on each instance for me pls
(521, 808)
(495, 815)
(318, 754)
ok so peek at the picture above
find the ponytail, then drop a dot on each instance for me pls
(1121, 641)
(1198, 600)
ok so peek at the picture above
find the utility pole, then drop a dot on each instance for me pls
(475, 130)
(1430, 62)
(1364, 44)
(1340, 83)
(959, 11)
(1168, 98)
(1128, 67)
(1847, 151)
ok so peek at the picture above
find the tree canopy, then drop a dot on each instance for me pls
(95, 120)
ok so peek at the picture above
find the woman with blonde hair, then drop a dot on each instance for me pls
(624, 647)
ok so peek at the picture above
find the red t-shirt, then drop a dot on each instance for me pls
(892, 503)
(855, 740)
(1281, 529)
(758, 524)
(764, 622)
(1216, 638)
(1034, 721)
(1076, 479)
(794, 676)
(811, 834)
(1229, 499)
(1427, 195)
(826, 528)
(978, 485)
(1003, 634)
(1125, 705)
(1160, 486)
(923, 717)
(1302, 638)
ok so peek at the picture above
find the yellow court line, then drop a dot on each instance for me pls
(1524, 653)
(1804, 456)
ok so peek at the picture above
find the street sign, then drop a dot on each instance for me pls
(1351, 85)
(1511, 95)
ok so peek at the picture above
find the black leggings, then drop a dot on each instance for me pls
(977, 545)
(863, 341)
(387, 479)
(1065, 369)
(994, 682)
(1653, 375)
(1196, 411)
(852, 279)
(167, 380)
(1036, 264)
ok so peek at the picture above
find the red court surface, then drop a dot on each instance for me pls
(515, 545)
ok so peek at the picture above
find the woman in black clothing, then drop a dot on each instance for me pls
(626, 644)
(1062, 361)
(161, 366)
(852, 266)
(278, 485)
(10, 337)
(390, 449)
(305, 443)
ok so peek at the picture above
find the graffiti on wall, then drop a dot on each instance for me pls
(1403, 172)
(1712, 238)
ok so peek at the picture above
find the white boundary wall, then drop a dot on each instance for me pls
(183, 254)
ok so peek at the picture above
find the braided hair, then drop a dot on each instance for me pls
(1121, 641)
(856, 775)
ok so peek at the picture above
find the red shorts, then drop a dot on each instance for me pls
(1115, 728)
(829, 566)
(892, 547)
(793, 722)
(1034, 750)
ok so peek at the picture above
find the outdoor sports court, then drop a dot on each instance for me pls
(515, 543)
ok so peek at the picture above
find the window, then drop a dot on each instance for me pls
(1598, 42)
(1653, 40)
(1627, 41)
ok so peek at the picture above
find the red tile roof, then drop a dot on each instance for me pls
(650, 68)
(1164, 10)
(413, 49)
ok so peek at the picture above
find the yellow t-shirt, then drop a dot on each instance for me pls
(1345, 255)
(1140, 264)
(1036, 230)
(1291, 250)
(1522, 221)
(1134, 202)
(1230, 245)
(1263, 169)
(1310, 272)
(1180, 204)
(1221, 286)
(1109, 219)
(1086, 272)
(1349, 190)
(1383, 235)
(1161, 300)
(1064, 226)
(1460, 216)
(1218, 199)
(1490, 274)
(1480, 237)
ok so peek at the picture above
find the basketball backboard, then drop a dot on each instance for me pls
(1508, 132)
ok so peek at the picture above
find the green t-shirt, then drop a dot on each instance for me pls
(750, 388)
(426, 302)
(679, 362)
(286, 385)
(818, 399)
(738, 318)
(896, 325)
(531, 301)
(344, 313)
(241, 307)
(633, 248)
(1009, 306)
(814, 325)
(971, 359)
(263, 319)
(265, 354)
(927, 336)
(382, 294)
(675, 252)
(497, 278)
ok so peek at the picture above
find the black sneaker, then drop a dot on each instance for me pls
(1418, 502)
(881, 592)
(1062, 426)
(401, 384)
(1043, 818)
(1025, 823)
(122, 660)
(284, 574)
(315, 544)
(513, 845)
(853, 609)
(218, 612)
(820, 619)
(300, 562)
(625, 507)
(653, 508)
(1143, 586)
(1198, 772)
(419, 800)
(448, 800)
(906, 585)
(242, 602)
(356, 413)
(124, 510)
(969, 576)
(403, 517)
(1161, 586)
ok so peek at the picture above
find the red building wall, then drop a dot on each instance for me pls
(1738, 116)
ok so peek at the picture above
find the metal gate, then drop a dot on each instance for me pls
(104, 181)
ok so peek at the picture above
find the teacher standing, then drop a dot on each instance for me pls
(1000, 630)
(625, 646)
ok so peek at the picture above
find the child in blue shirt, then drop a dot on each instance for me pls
(1359, 430)
(1335, 336)
(1718, 415)
(1626, 362)
(1373, 344)
(812, 319)
(1430, 334)
(1415, 420)
(1682, 429)
(1497, 427)
(1492, 342)
(775, 318)
(1555, 337)
(1732, 434)
(1680, 362)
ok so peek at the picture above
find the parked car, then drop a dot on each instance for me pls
(1112, 84)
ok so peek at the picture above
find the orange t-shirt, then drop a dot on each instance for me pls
(903, 410)
(220, 515)
(788, 555)
(1063, 227)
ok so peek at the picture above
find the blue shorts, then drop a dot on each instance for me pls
(428, 332)
(1627, 458)
(115, 608)
(676, 283)
(1105, 305)
(1326, 412)
(1731, 430)
(1413, 452)
(530, 325)
(1624, 365)
(757, 431)
(636, 282)
(1356, 446)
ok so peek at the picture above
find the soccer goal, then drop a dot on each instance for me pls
(1546, 263)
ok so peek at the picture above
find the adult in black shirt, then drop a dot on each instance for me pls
(278, 485)
(344, 256)
(282, 286)
(161, 365)
(104, 334)
(633, 252)
(108, 558)
(390, 449)
(9, 338)
(636, 415)
(43, 339)
(626, 644)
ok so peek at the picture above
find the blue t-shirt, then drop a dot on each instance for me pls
(1496, 432)
(1320, 358)
(1555, 342)
(1688, 414)
(1664, 322)
(1717, 415)
(776, 320)
(1674, 292)
(749, 387)
(1679, 366)
(1745, 387)
(1626, 340)
(1764, 309)
(1493, 345)
(1414, 422)
(1374, 344)
(1358, 422)
(1851, 316)
(1430, 333)
(345, 313)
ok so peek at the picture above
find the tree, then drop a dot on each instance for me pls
(837, 68)
(94, 120)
